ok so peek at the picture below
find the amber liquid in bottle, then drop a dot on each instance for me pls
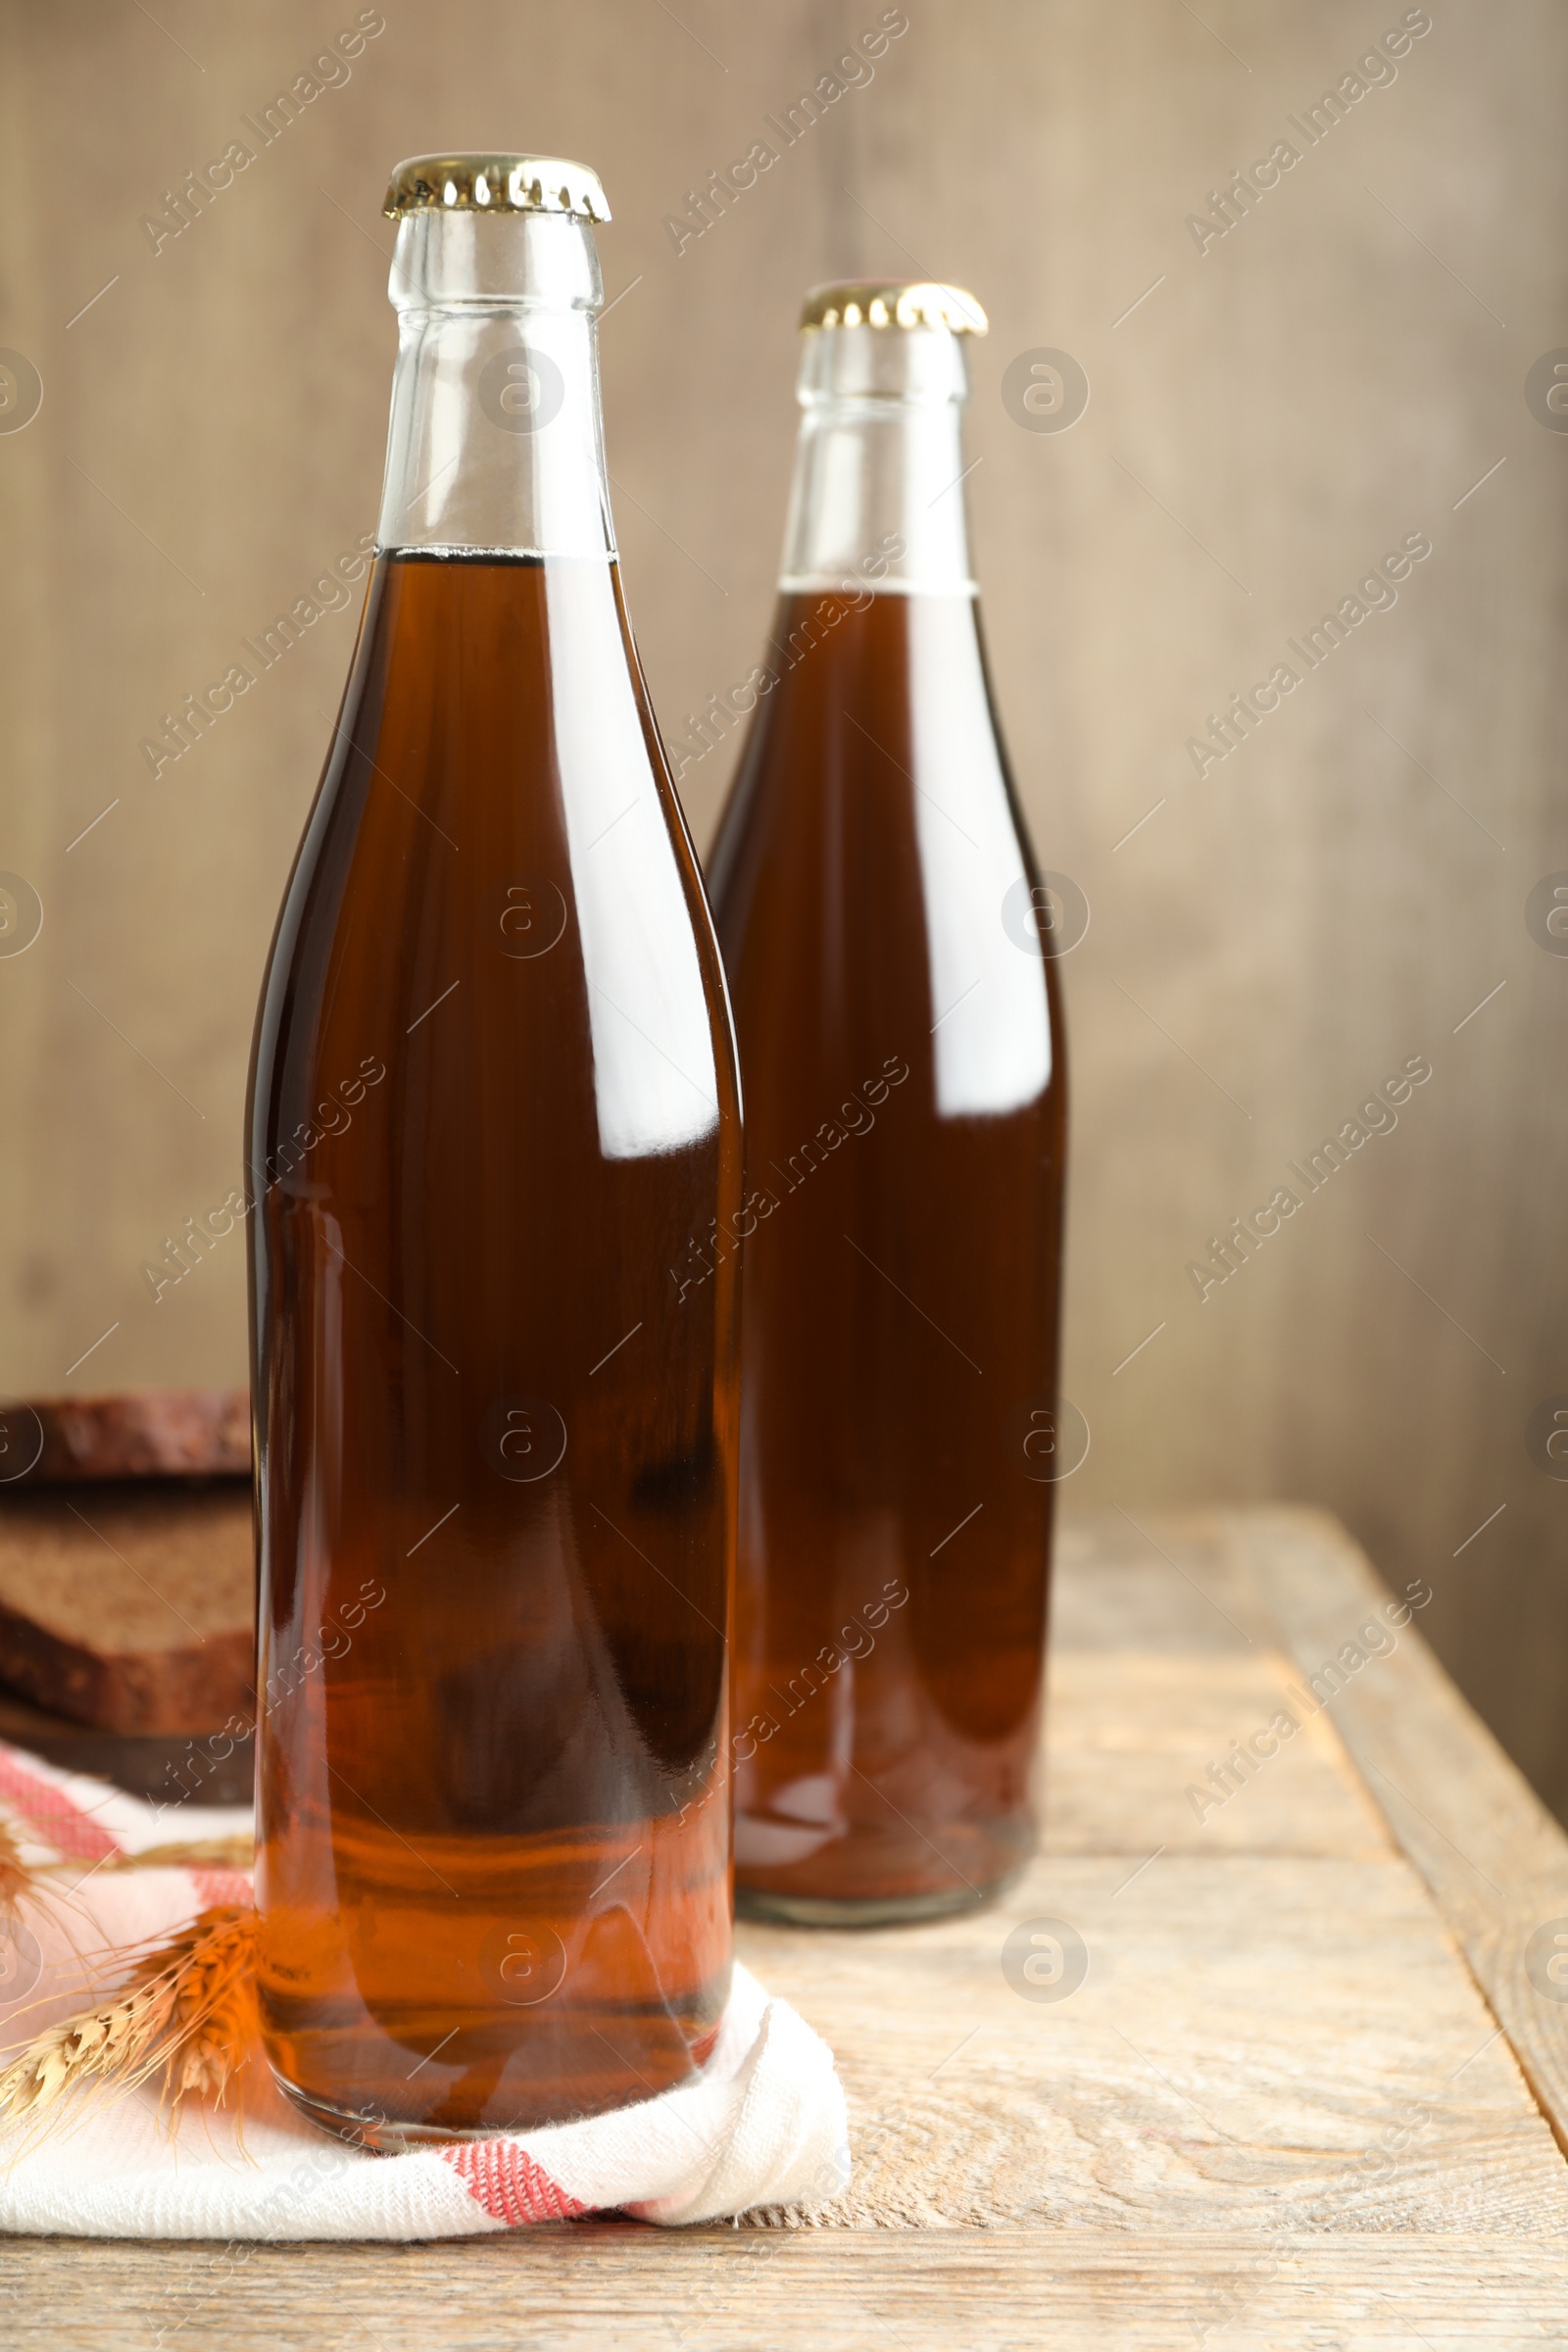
(493, 1099)
(878, 903)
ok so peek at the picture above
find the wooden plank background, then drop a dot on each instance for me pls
(1335, 373)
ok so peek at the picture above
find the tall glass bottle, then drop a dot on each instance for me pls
(493, 1098)
(900, 1030)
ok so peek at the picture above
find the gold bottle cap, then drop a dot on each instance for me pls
(896, 302)
(495, 183)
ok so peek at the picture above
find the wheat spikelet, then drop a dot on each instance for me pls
(187, 2008)
(15, 1879)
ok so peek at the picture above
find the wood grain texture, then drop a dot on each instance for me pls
(1253, 2038)
(1495, 1860)
(1280, 408)
(1276, 2112)
(1009, 2290)
(1131, 1737)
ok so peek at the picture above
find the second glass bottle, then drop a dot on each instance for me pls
(888, 941)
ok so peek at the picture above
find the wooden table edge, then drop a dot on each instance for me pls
(1493, 1858)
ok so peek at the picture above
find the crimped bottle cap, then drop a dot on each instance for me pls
(895, 302)
(495, 183)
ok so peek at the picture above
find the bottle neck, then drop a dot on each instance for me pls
(877, 501)
(496, 442)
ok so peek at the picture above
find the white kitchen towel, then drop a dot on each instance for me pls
(763, 2123)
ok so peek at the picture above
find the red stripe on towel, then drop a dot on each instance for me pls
(504, 2179)
(215, 1886)
(65, 1826)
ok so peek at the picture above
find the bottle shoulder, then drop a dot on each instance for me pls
(496, 826)
(865, 860)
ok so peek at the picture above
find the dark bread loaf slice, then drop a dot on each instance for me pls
(151, 1433)
(130, 1606)
(172, 1768)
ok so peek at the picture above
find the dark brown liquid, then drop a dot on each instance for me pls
(900, 1303)
(493, 1101)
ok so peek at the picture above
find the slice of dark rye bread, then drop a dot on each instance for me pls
(126, 1567)
(130, 1606)
(150, 1432)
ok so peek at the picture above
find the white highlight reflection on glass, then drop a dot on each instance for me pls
(992, 1036)
(654, 1085)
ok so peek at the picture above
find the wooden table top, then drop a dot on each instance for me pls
(1312, 2089)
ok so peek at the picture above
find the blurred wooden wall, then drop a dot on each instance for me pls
(1280, 408)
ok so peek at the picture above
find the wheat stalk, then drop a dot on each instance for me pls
(187, 2008)
(199, 1854)
(15, 1879)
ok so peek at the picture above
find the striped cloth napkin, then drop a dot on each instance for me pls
(763, 2123)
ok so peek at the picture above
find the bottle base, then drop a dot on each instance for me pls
(382, 2136)
(777, 1909)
